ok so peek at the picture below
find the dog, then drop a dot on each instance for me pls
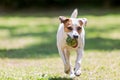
(73, 27)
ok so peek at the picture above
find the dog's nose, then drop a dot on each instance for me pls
(75, 36)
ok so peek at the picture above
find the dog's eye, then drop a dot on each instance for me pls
(79, 28)
(69, 28)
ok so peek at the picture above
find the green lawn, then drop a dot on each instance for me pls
(28, 46)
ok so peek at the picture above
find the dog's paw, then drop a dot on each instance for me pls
(72, 75)
(78, 73)
(67, 69)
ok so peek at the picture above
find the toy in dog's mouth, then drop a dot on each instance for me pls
(71, 42)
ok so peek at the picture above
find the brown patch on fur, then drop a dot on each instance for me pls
(63, 19)
(81, 23)
(79, 29)
(67, 24)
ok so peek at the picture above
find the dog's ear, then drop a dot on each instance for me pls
(83, 21)
(63, 19)
(74, 14)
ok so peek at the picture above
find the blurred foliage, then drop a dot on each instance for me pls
(20, 4)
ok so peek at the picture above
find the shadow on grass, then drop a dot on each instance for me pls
(59, 78)
(45, 50)
(40, 49)
(48, 49)
(99, 43)
(102, 43)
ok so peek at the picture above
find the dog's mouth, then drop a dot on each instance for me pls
(73, 42)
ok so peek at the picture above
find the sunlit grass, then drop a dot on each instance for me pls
(28, 48)
(95, 65)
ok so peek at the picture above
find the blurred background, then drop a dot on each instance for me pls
(54, 4)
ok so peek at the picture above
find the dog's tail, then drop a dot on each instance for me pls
(74, 14)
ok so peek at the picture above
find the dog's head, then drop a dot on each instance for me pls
(73, 26)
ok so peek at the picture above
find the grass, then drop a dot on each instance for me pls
(28, 46)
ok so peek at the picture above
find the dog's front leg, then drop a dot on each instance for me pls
(61, 53)
(68, 66)
(65, 58)
(78, 62)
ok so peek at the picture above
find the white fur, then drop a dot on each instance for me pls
(64, 49)
(74, 14)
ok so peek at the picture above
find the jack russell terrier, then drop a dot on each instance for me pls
(72, 28)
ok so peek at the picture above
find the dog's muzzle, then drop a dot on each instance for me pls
(75, 36)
